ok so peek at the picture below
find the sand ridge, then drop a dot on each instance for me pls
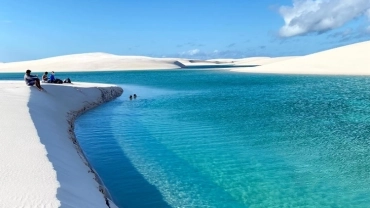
(90, 62)
(346, 60)
(39, 164)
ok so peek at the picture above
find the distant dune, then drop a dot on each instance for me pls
(237, 60)
(347, 60)
(107, 62)
(262, 60)
(90, 62)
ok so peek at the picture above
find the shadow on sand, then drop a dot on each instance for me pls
(52, 128)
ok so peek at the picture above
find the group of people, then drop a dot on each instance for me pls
(45, 77)
(52, 79)
(134, 96)
(32, 80)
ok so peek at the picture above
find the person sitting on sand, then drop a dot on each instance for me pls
(52, 77)
(45, 77)
(32, 80)
(55, 80)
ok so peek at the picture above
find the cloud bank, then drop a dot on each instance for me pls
(317, 16)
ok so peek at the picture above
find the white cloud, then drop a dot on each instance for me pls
(310, 16)
(191, 52)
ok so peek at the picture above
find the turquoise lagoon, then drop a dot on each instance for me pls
(213, 138)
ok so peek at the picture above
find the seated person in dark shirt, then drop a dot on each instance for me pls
(45, 77)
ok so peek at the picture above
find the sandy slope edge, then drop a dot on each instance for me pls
(39, 166)
(90, 62)
(346, 60)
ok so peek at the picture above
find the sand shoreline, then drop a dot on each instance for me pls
(107, 95)
(39, 167)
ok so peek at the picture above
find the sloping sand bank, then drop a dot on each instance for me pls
(347, 60)
(40, 166)
(90, 62)
(262, 61)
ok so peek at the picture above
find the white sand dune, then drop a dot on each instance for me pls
(224, 60)
(347, 60)
(263, 60)
(260, 61)
(202, 64)
(110, 62)
(39, 164)
(238, 60)
(254, 61)
(90, 62)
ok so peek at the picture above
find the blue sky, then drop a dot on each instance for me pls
(183, 28)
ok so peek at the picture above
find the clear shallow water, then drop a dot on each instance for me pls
(220, 139)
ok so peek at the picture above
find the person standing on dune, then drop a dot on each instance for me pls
(32, 80)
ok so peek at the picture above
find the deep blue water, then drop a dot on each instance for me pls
(212, 138)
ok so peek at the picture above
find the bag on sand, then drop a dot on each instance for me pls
(67, 80)
(58, 81)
